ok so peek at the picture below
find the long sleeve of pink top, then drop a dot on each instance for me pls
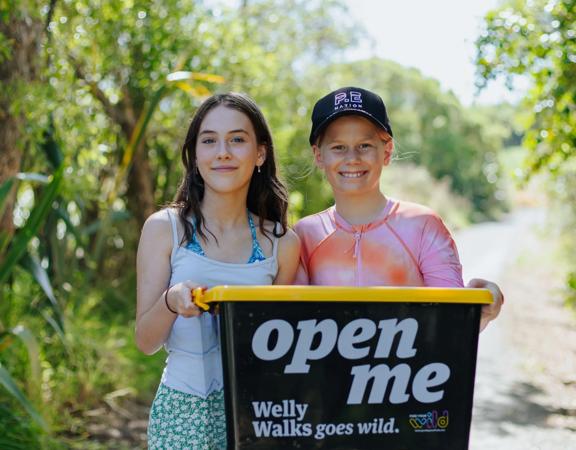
(407, 245)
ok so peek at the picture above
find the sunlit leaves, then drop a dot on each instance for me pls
(537, 40)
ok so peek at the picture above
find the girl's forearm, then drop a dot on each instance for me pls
(153, 327)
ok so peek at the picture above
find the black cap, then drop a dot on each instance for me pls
(346, 101)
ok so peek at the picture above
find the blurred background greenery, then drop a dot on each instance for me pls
(95, 99)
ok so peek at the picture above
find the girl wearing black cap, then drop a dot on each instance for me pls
(367, 238)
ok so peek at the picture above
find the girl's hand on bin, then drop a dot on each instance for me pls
(489, 312)
(180, 299)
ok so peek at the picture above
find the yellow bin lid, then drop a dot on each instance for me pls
(341, 294)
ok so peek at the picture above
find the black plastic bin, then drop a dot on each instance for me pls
(348, 368)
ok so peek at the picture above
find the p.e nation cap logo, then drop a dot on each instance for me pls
(345, 101)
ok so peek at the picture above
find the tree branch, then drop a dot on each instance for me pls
(114, 112)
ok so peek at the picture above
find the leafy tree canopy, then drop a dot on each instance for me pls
(537, 39)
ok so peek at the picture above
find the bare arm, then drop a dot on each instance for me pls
(301, 278)
(288, 258)
(153, 319)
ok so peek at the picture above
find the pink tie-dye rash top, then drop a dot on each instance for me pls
(407, 245)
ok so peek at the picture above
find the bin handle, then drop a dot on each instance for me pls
(198, 299)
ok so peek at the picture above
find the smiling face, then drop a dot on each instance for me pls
(352, 152)
(227, 151)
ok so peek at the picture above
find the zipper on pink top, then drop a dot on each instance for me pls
(358, 258)
(357, 236)
(388, 210)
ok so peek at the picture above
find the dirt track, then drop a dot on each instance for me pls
(525, 395)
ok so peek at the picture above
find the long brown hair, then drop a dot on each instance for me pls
(267, 195)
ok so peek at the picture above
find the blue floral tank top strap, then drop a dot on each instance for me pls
(257, 253)
(193, 244)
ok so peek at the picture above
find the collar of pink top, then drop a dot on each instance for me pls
(341, 223)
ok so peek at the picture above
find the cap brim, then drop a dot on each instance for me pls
(347, 112)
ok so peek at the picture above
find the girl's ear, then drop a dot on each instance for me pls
(318, 160)
(388, 150)
(261, 155)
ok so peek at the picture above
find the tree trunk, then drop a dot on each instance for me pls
(140, 181)
(140, 191)
(20, 69)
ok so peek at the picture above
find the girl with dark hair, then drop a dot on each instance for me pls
(227, 225)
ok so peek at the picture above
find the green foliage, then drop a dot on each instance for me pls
(501, 122)
(571, 284)
(405, 180)
(10, 385)
(29, 230)
(5, 48)
(563, 192)
(9, 257)
(537, 40)
(16, 433)
(119, 82)
(5, 189)
(107, 91)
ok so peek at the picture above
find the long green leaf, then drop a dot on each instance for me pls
(97, 225)
(31, 176)
(4, 191)
(30, 228)
(32, 264)
(26, 336)
(50, 147)
(183, 75)
(16, 434)
(10, 385)
(135, 139)
(54, 324)
(8, 443)
(22, 176)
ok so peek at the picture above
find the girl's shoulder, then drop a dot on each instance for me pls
(410, 216)
(157, 232)
(289, 240)
(314, 222)
(316, 216)
(158, 221)
(409, 210)
(162, 224)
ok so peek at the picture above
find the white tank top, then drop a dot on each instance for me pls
(194, 363)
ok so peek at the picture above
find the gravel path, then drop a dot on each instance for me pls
(525, 395)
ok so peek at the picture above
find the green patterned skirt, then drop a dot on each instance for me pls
(184, 421)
